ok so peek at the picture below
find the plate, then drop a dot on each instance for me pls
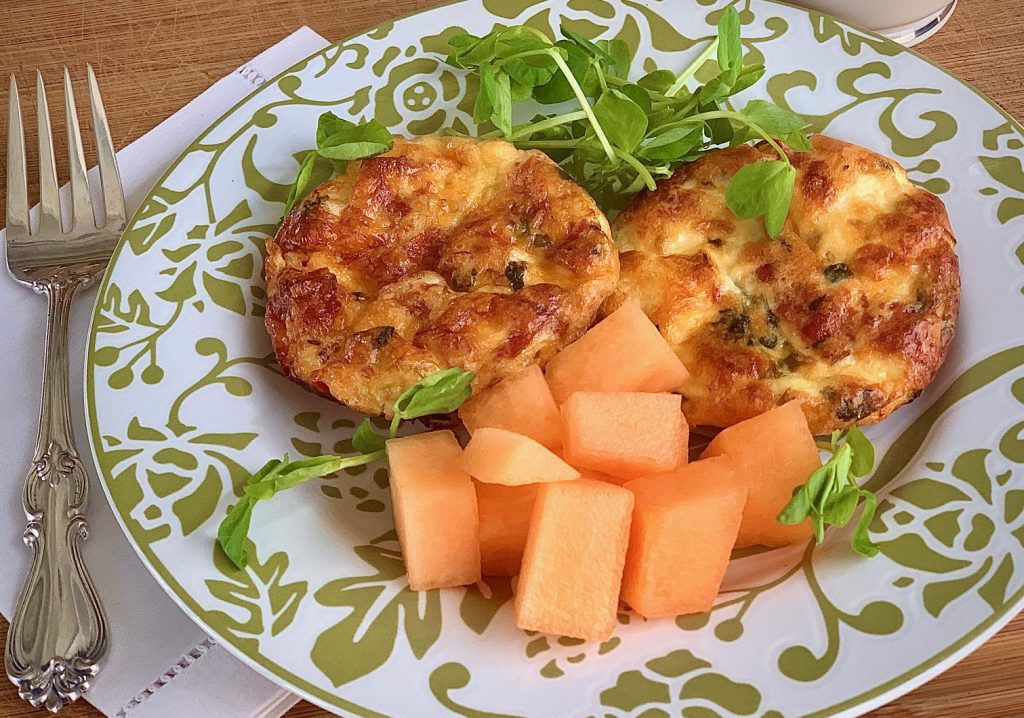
(184, 400)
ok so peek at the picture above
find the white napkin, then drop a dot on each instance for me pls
(160, 665)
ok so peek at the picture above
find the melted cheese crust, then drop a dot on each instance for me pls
(443, 252)
(850, 310)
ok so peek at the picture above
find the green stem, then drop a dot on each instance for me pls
(584, 104)
(548, 144)
(656, 96)
(640, 169)
(362, 459)
(535, 32)
(687, 107)
(600, 75)
(729, 115)
(532, 128)
(690, 71)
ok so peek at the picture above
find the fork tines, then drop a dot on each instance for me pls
(82, 217)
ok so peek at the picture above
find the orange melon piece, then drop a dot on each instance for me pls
(499, 456)
(684, 526)
(572, 566)
(774, 453)
(521, 403)
(623, 352)
(586, 473)
(626, 434)
(435, 511)
(505, 513)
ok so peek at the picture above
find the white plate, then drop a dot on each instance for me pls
(184, 399)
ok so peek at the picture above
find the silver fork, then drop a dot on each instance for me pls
(58, 633)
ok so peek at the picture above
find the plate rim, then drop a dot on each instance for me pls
(859, 704)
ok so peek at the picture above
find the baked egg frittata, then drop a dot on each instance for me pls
(851, 309)
(442, 252)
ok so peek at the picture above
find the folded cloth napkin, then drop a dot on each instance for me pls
(160, 665)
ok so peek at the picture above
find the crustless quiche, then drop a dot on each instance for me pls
(443, 252)
(851, 310)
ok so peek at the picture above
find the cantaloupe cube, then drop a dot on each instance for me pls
(627, 434)
(684, 526)
(623, 352)
(684, 444)
(498, 456)
(435, 511)
(586, 473)
(505, 513)
(774, 453)
(521, 403)
(572, 566)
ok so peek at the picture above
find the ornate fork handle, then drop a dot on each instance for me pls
(58, 633)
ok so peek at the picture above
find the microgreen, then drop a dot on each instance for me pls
(303, 184)
(762, 189)
(276, 475)
(338, 140)
(831, 494)
(341, 139)
(619, 136)
(439, 393)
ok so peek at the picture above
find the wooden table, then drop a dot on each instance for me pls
(153, 56)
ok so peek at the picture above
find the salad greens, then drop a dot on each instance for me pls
(831, 494)
(439, 393)
(338, 140)
(618, 136)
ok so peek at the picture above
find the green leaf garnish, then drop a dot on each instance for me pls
(302, 185)
(730, 46)
(762, 189)
(586, 45)
(439, 393)
(861, 541)
(617, 136)
(830, 495)
(494, 102)
(771, 118)
(365, 440)
(276, 475)
(339, 140)
(657, 81)
(863, 452)
(623, 120)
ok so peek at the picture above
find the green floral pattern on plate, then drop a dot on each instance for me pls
(185, 398)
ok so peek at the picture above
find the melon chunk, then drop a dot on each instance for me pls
(684, 526)
(572, 565)
(586, 473)
(626, 434)
(498, 456)
(623, 352)
(505, 513)
(774, 453)
(435, 511)
(521, 403)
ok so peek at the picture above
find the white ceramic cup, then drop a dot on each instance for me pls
(907, 21)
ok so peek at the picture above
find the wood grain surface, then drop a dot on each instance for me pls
(153, 56)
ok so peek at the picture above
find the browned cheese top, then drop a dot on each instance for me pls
(443, 252)
(850, 310)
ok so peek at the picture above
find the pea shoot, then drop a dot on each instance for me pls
(338, 140)
(439, 393)
(831, 494)
(619, 136)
